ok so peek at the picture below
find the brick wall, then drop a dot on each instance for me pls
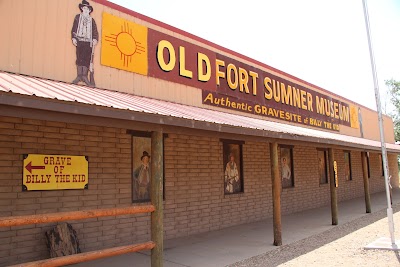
(349, 189)
(376, 180)
(194, 197)
(109, 186)
(195, 200)
(308, 192)
(393, 170)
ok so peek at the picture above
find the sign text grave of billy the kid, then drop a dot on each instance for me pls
(54, 172)
(228, 83)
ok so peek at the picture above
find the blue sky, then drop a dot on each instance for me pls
(322, 42)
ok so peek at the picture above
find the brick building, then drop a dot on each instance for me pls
(191, 103)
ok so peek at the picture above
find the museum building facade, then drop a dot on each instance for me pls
(83, 85)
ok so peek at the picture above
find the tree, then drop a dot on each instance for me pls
(394, 91)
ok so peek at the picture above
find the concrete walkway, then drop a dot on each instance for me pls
(222, 247)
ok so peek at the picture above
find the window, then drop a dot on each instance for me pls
(347, 166)
(141, 166)
(323, 166)
(286, 160)
(233, 167)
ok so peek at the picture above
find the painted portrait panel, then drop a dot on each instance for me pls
(141, 168)
(287, 167)
(233, 174)
(347, 166)
(368, 166)
(381, 165)
(322, 166)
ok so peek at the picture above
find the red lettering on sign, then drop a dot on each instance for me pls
(36, 179)
(63, 178)
(77, 178)
(57, 160)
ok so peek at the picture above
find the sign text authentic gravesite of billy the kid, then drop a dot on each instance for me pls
(225, 82)
(54, 172)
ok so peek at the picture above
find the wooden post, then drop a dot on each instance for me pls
(276, 194)
(156, 195)
(334, 206)
(366, 182)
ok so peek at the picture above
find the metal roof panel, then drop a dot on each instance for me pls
(39, 87)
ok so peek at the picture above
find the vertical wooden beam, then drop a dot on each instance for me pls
(156, 194)
(276, 194)
(334, 206)
(366, 182)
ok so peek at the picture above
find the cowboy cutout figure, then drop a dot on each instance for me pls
(85, 37)
(141, 178)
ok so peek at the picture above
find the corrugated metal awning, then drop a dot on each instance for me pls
(70, 98)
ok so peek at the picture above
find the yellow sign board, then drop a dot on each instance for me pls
(55, 172)
(124, 44)
(354, 123)
(335, 171)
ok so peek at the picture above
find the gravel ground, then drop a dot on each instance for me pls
(342, 245)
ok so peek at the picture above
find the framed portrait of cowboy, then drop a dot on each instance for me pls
(323, 165)
(347, 166)
(233, 167)
(141, 166)
(286, 160)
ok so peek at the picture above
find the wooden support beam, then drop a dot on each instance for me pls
(334, 206)
(156, 195)
(72, 215)
(366, 182)
(88, 256)
(276, 194)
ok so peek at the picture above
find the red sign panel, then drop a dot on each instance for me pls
(232, 84)
(182, 62)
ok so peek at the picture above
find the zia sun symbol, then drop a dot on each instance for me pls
(126, 44)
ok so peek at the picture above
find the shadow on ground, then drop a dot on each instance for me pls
(293, 250)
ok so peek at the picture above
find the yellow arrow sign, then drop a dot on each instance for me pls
(55, 172)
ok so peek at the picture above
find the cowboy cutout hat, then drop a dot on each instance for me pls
(85, 4)
(145, 154)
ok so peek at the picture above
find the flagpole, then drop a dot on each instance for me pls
(380, 119)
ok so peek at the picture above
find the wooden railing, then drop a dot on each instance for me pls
(79, 215)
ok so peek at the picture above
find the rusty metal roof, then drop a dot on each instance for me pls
(167, 113)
